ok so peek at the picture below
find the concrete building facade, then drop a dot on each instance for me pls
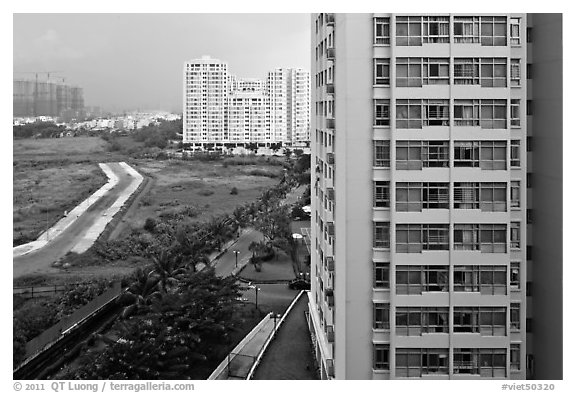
(419, 208)
(222, 110)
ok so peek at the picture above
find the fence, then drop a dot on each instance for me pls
(40, 290)
(52, 334)
(239, 365)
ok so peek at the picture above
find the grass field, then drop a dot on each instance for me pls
(204, 186)
(51, 176)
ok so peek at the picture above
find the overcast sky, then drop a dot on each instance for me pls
(135, 61)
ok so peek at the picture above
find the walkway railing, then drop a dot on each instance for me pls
(53, 334)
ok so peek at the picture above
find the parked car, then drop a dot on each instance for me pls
(299, 284)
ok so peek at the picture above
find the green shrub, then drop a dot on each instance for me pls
(234, 191)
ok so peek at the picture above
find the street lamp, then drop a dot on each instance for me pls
(256, 289)
(236, 252)
(275, 316)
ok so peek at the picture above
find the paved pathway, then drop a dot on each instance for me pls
(77, 227)
(289, 355)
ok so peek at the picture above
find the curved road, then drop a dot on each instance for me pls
(40, 261)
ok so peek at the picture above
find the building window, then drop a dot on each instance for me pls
(493, 31)
(484, 196)
(529, 180)
(421, 154)
(382, 31)
(515, 235)
(382, 72)
(529, 216)
(515, 153)
(381, 235)
(466, 113)
(413, 197)
(413, 321)
(381, 316)
(409, 114)
(415, 71)
(493, 238)
(381, 275)
(515, 275)
(515, 193)
(381, 357)
(493, 72)
(489, 155)
(488, 280)
(466, 29)
(414, 362)
(436, 29)
(515, 357)
(416, 279)
(466, 71)
(418, 113)
(486, 362)
(381, 194)
(408, 30)
(515, 72)
(382, 154)
(514, 316)
(528, 34)
(515, 113)
(488, 321)
(514, 31)
(488, 114)
(493, 114)
(413, 238)
(382, 112)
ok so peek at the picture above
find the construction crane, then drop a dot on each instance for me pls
(36, 84)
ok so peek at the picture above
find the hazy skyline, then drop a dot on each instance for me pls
(135, 61)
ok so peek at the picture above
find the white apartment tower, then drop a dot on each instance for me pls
(419, 234)
(205, 100)
(289, 92)
(222, 110)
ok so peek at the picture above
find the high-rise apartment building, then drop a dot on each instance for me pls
(420, 144)
(222, 110)
(205, 101)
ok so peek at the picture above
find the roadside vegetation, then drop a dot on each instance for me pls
(179, 320)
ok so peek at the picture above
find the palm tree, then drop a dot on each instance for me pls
(140, 294)
(167, 269)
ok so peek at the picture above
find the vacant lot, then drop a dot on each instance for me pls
(51, 176)
(199, 189)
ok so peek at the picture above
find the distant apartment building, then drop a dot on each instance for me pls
(223, 111)
(423, 232)
(49, 97)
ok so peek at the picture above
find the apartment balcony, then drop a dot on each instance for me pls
(330, 87)
(330, 264)
(330, 298)
(330, 228)
(330, 19)
(330, 333)
(330, 53)
(330, 123)
(330, 158)
(330, 192)
(330, 367)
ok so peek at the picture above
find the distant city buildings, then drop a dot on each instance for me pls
(224, 111)
(50, 97)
